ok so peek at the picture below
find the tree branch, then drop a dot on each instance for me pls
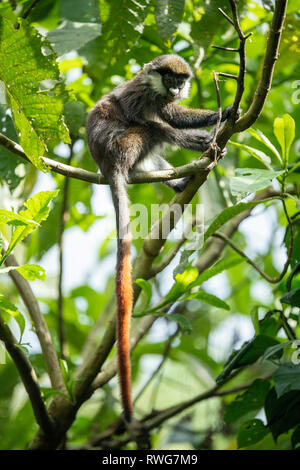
(60, 299)
(28, 377)
(270, 58)
(96, 178)
(40, 325)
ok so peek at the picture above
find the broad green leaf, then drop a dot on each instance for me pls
(294, 272)
(31, 272)
(208, 298)
(181, 285)
(75, 115)
(250, 400)
(147, 288)
(283, 413)
(122, 26)
(292, 298)
(230, 212)
(251, 432)
(258, 135)
(182, 321)
(250, 180)
(15, 219)
(38, 210)
(31, 75)
(203, 30)
(216, 269)
(249, 353)
(284, 130)
(296, 435)
(168, 15)
(6, 307)
(8, 160)
(80, 11)
(258, 154)
(274, 350)
(70, 36)
(50, 392)
(287, 378)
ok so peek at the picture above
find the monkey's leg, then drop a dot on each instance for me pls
(154, 162)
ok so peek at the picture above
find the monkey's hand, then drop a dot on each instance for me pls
(227, 111)
(205, 139)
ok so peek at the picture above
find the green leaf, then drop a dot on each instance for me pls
(80, 11)
(292, 298)
(6, 307)
(250, 400)
(208, 298)
(180, 286)
(31, 75)
(15, 219)
(147, 288)
(37, 209)
(8, 160)
(258, 154)
(249, 353)
(230, 212)
(274, 350)
(250, 180)
(75, 115)
(122, 27)
(168, 15)
(50, 392)
(216, 269)
(287, 378)
(295, 271)
(251, 432)
(31, 272)
(258, 135)
(182, 321)
(70, 36)
(282, 413)
(284, 130)
(296, 438)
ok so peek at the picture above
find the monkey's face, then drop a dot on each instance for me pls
(168, 84)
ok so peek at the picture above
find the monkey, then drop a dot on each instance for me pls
(124, 128)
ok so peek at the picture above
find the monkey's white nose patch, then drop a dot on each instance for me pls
(174, 91)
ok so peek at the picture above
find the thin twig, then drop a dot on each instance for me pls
(28, 377)
(228, 75)
(165, 356)
(157, 268)
(272, 280)
(223, 48)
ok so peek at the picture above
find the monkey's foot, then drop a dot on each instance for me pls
(180, 184)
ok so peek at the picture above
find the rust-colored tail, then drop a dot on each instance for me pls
(124, 291)
(124, 309)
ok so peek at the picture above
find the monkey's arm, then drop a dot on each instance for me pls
(182, 117)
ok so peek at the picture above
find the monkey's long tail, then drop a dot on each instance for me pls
(124, 291)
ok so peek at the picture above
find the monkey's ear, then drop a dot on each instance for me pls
(149, 67)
